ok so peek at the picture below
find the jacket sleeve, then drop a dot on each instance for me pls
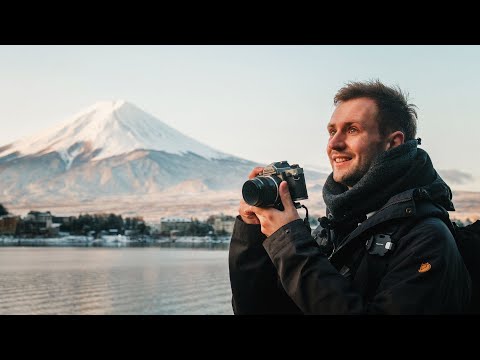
(307, 275)
(255, 285)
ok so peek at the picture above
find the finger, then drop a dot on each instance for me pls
(285, 196)
(255, 172)
(244, 208)
(248, 211)
(247, 215)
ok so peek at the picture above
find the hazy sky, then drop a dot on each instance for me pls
(262, 103)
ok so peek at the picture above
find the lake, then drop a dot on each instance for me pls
(123, 280)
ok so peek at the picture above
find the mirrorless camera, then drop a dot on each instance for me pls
(263, 190)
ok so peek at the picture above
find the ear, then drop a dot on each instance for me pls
(394, 139)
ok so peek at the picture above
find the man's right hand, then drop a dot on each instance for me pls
(244, 210)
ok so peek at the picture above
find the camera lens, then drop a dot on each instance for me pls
(261, 191)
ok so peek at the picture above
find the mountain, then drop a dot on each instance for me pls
(104, 130)
(114, 156)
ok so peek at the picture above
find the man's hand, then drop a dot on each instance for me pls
(248, 216)
(272, 219)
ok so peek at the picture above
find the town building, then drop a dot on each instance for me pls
(223, 224)
(8, 224)
(177, 225)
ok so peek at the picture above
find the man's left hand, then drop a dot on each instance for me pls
(272, 219)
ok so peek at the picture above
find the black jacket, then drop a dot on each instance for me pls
(290, 272)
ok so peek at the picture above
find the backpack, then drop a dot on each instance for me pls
(468, 243)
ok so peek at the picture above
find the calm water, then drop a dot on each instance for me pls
(39, 280)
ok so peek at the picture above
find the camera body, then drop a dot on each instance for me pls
(263, 190)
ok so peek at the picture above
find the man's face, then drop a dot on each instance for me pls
(355, 140)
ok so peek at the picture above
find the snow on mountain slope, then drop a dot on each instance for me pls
(107, 129)
(112, 156)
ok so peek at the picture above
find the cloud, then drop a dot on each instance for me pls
(456, 176)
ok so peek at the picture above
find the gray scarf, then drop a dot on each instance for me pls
(394, 171)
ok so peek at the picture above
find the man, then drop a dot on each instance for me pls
(386, 244)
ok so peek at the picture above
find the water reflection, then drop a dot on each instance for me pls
(162, 279)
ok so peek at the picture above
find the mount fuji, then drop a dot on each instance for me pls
(108, 129)
(115, 157)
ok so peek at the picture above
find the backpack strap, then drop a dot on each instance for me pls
(377, 256)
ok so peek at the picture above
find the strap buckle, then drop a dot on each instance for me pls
(379, 244)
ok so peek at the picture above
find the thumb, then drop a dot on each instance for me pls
(285, 196)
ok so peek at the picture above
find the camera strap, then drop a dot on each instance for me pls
(305, 220)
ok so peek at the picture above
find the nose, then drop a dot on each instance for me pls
(337, 141)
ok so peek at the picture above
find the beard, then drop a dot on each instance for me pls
(352, 176)
(350, 180)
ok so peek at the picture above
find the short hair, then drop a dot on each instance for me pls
(394, 111)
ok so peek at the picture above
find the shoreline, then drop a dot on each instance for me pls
(118, 241)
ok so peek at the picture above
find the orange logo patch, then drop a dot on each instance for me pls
(424, 267)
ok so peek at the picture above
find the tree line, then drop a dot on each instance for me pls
(85, 223)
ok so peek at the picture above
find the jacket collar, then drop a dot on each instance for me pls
(399, 206)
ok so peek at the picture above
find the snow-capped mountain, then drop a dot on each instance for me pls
(107, 129)
(114, 157)
(113, 151)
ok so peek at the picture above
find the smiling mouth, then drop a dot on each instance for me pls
(340, 160)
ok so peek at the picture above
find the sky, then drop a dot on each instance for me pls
(261, 103)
